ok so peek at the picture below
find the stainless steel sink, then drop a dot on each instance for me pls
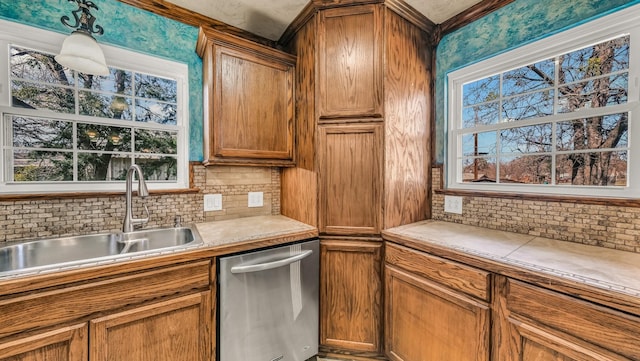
(62, 252)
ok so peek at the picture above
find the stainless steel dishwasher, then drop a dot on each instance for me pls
(268, 304)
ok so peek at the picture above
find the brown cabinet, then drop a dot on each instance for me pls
(429, 314)
(174, 330)
(350, 162)
(363, 154)
(61, 344)
(350, 62)
(536, 324)
(162, 314)
(248, 101)
(350, 298)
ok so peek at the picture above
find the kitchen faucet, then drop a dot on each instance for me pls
(143, 192)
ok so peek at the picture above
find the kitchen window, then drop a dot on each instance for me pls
(61, 130)
(556, 116)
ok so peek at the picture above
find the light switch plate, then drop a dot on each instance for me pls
(453, 204)
(212, 202)
(255, 199)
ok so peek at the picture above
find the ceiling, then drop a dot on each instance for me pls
(270, 18)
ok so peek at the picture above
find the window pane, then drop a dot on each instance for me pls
(596, 60)
(532, 105)
(596, 93)
(593, 169)
(152, 87)
(483, 114)
(481, 91)
(150, 141)
(536, 76)
(481, 169)
(158, 167)
(38, 96)
(118, 81)
(102, 166)
(41, 166)
(155, 112)
(105, 106)
(530, 139)
(609, 131)
(103, 138)
(526, 169)
(479, 143)
(38, 66)
(41, 133)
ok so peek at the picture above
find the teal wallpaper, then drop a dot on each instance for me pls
(131, 28)
(519, 23)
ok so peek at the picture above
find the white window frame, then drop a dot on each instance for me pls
(47, 41)
(596, 31)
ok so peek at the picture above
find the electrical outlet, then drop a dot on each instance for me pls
(212, 202)
(453, 204)
(255, 199)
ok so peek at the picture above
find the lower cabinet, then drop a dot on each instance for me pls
(351, 296)
(536, 324)
(426, 320)
(163, 314)
(174, 330)
(61, 344)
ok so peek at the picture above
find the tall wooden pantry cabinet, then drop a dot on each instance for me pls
(363, 112)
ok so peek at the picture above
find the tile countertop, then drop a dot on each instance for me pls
(601, 269)
(220, 238)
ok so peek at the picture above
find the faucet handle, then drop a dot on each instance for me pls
(142, 220)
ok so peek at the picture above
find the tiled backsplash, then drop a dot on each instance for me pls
(25, 219)
(598, 225)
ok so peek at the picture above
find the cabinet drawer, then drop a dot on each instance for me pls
(598, 325)
(76, 301)
(469, 280)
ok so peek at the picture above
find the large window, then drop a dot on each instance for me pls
(556, 116)
(66, 131)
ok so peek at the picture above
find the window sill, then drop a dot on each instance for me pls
(75, 195)
(602, 201)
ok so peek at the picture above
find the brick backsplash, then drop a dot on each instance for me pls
(25, 219)
(597, 225)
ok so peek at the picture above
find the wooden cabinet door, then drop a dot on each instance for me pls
(173, 330)
(350, 181)
(535, 324)
(350, 66)
(428, 322)
(63, 344)
(249, 102)
(350, 295)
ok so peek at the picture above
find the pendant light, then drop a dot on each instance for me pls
(80, 50)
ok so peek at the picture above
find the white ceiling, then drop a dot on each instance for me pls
(270, 18)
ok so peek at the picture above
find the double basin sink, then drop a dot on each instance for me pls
(65, 252)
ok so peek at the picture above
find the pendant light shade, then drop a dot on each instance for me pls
(81, 52)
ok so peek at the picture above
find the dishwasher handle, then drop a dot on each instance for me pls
(270, 265)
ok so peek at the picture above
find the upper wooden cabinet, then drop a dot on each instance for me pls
(248, 101)
(350, 62)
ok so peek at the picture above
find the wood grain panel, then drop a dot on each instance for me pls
(350, 302)
(63, 344)
(304, 47)
(407, 104)
(465, 279)
(427, 322)
(299, 196)
(249, 101)
(350, 61)
(48, 308)
(160, 332)
(607, 329)
(350, 179)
